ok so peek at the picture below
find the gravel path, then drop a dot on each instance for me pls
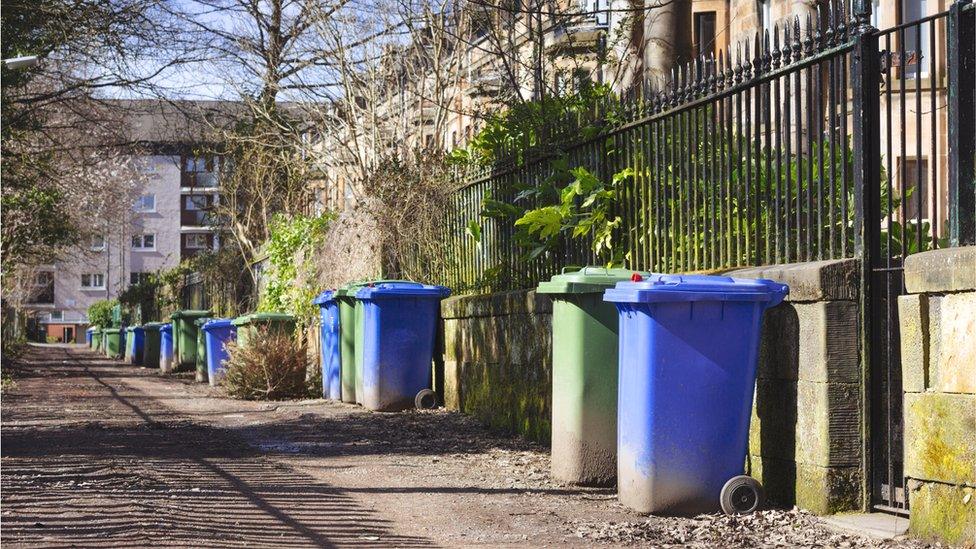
(98, 454)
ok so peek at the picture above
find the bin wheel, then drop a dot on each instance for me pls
(742, 495)
(425, 400)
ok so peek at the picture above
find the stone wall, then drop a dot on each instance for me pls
(938, 352)
(805, 443)
(498, 360)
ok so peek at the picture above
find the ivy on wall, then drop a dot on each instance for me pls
(289, 280)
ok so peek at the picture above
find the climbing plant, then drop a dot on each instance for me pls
(288, 282)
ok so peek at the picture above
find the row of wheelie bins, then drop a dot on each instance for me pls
(192, 340)
(377, 343)
(652, 385)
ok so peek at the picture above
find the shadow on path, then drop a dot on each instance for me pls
(121, 471)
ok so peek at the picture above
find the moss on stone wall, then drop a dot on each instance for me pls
(498, 361)
(943, 512)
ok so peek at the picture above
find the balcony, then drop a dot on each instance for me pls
(195, 218)
(582, 32)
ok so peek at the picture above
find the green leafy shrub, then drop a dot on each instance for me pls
(271, 367)
(100, 312)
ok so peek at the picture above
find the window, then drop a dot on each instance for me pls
(139, 278)
(145, 203)
(56, 316)
(196, 241)
(916, 39)
(196, 202)
(764, 9)
(143, 241)
(877, 20)
(913, 193)
(43, 291)
(704, 33)
(97, 242)
(93, 281)
(199, 171)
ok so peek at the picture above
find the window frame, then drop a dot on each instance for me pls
(142, 242)
(921, 69)
(91, 280)
(909, 166)
(93, 247)
(696, 18)
(139, 206)
(186, 243)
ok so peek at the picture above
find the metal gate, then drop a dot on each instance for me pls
(913, 131)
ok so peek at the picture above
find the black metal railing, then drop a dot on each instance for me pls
(745, 159)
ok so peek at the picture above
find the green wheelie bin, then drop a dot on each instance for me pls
(97, 339)
(348, 333)
(584, 374)
(201, 355)
(185, 338)
(248, 325)
(150, 351)
(112, 340)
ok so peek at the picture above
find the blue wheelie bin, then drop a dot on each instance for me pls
(89, 333)
(217, 334)
(688, 352)
(167, 358)
(399, 328)
(135, 342)
(329, 333)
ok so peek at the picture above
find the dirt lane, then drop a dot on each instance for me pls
(99, 454)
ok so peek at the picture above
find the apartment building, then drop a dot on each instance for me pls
(167, 220)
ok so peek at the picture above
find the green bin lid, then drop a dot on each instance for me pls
(586, 280)
(202, 320)
(257, 318)
(190, 314)
(153, 325)
(350, 289)
(111, 330)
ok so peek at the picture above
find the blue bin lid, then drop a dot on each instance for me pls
(90, 330)
(402, 289)
(659, 288)
(323, 298)
(166, 328)
(217, 323)
(136, 329)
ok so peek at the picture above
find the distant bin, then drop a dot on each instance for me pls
(151, 344)
(688, 353)
(167, 359)
(97, 339)
(218, 333)
(135, 343)
(329, 334)
(89, 335)
(584, 374)
(399, 327)
(185, 338)
(200, 356)
(112, 342)
(247, 325)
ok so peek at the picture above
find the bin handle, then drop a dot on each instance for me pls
(588, 268)
(575, 268)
